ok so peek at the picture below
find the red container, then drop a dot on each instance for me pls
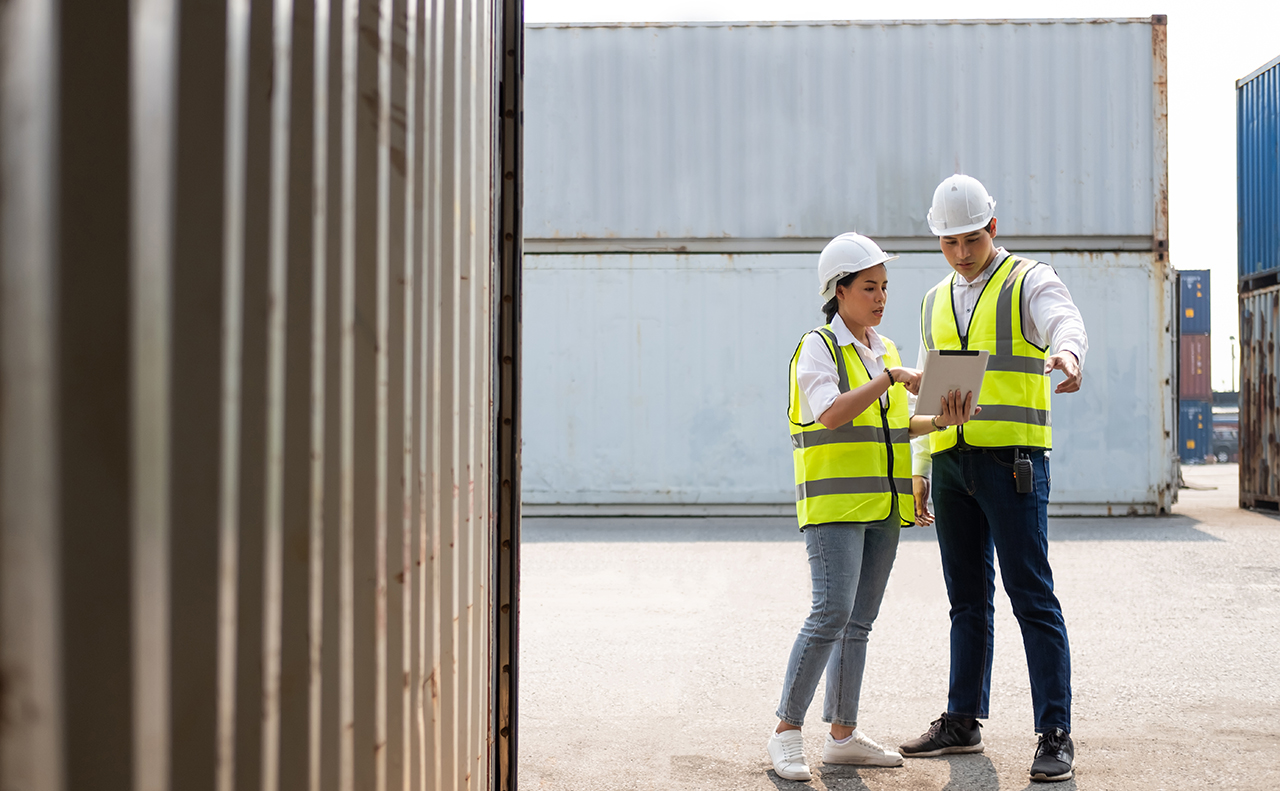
(1195, 369)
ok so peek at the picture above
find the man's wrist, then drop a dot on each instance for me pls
(933, 421)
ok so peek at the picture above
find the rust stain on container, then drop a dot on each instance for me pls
(1259, 448)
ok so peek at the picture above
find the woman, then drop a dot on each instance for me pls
(850, 428)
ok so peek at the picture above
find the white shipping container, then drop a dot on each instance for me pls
(666, 136)
(657, 384)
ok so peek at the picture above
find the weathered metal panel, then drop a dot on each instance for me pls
(1259, 405)
(1195, 364)
(1193, 302)
(250, 386)
(659, 381)
(1258, 185)
(747, 132)
(32, 741)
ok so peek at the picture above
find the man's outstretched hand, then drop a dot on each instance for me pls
(1069, 365)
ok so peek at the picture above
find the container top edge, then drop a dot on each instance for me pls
(845, 22)
(1258, 71)
(1259, 292)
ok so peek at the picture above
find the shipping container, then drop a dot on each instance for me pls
(774, 137)
(1259, 405)
(682, 178)
(1194, 368)
(1193, 302)
(259, 364)
(1195, 431)
(1258, 182)
(675, 405)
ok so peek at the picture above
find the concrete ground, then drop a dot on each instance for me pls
(652, 654)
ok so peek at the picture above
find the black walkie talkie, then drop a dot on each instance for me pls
(1023, 473)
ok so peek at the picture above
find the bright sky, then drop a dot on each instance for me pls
(1211, 45)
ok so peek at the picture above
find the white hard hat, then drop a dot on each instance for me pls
(843, 255)
(960, 205)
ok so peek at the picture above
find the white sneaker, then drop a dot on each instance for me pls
(786, 750)
(859, 750)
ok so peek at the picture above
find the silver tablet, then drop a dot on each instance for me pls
(950, 369)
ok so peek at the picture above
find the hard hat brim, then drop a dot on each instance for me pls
(962, 230)
(829, 292)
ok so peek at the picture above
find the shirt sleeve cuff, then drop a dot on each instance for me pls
(921, 460)
(1074, 351)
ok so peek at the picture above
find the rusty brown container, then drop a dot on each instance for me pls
(1194, 368)
(1259, 418)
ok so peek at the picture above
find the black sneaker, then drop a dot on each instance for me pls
(946, 735)
(1055, 757)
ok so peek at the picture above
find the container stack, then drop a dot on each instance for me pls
(1258, 202)
(681, 183)
(1195, 388)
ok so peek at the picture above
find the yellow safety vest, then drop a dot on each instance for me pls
(843, 473)
(1015, 390)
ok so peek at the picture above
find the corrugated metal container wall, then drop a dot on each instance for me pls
(257, 366)
(1195, 431)
(1258, 185)
(681, 180)
(1259, 405)
(1194, 380)
(804, 130)
(693, 350)
(1194, 302)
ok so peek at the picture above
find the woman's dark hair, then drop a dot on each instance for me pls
(829, 309)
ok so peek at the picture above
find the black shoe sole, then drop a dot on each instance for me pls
(959, 749)
(1044, 778)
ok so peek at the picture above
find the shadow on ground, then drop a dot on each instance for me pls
(668, 530)
(966, 773)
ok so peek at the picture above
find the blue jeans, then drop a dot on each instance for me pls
(979, 510)
(850, 565)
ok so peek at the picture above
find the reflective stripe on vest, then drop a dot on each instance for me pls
(844, 474)
(1015, 390)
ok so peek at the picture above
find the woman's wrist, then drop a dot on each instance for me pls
(889, 373)
(933, 421)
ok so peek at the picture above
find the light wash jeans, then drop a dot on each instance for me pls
(850, 565)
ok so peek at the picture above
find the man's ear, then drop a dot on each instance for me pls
(991, 228)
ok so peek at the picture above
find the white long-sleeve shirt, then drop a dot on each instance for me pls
(817, 374)
(1048, 314)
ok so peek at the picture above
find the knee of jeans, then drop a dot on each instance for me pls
(1037, 608)
(970, 609)
(827, 619)
(857, 629)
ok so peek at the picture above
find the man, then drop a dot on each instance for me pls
(1018, 310)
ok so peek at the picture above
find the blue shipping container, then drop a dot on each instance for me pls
(1258, 171)
(1195, 430)
(1194, 301)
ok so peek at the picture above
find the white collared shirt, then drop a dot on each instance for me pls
(1047, 314)
(817, 374)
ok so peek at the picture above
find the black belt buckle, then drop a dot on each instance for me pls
(1023, 473)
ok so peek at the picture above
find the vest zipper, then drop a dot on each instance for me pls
(888, 444)
(964, 339)
(964, 346)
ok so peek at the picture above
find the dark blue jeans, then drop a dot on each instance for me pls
(981, 514)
